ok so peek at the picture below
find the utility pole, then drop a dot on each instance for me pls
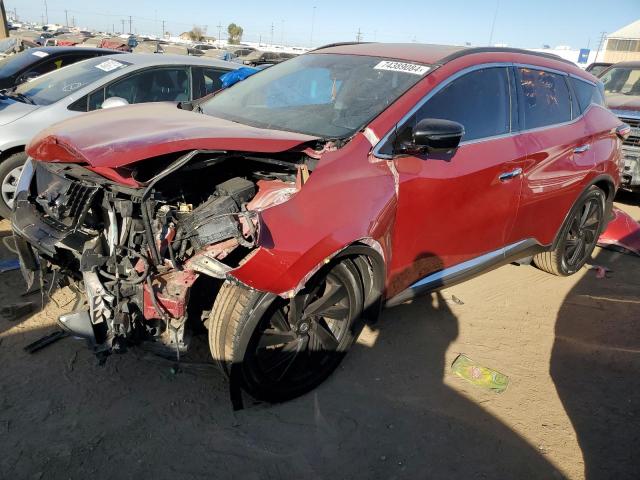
(271, 33)
(358, 36)
(130, 29)
(73, 21)
(46, 12)
(603, 36)
(113, 28)
(66, 18)
(219, 31)
(282, 32)
(313, 20)
(163, 30)
(4, 28)
(122, 26)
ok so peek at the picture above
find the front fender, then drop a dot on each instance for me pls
(346, 199)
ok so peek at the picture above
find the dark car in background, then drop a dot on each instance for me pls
(622, 94)
(596, 68)
(34, 62)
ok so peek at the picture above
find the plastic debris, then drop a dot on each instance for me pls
(8, 265)
(16, 311)
(601, 272)
(235, 76)
(481, 376)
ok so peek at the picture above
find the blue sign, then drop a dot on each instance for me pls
(584, 55)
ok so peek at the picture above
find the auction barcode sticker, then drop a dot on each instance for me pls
(109, 65)
(402, 67)
(40, 54)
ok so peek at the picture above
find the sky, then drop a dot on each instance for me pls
(527, 24)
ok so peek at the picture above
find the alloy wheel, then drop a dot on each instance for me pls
(582, 233)
(10, 185)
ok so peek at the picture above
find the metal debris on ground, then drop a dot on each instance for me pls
(456, 300)
(481, 376)
(46, 341)
(9, 265)
(16, 310)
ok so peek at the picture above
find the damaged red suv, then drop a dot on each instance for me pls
(283, 213)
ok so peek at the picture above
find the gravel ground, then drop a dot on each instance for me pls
(570, 346)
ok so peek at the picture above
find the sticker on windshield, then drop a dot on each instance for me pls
(402, 67)
(109, 65)
(40, 54)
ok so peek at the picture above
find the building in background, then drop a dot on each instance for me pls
(622, 45)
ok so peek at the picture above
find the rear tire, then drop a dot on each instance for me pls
(295, 344)
(578, 236)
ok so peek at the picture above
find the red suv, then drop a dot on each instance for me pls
(282, 213)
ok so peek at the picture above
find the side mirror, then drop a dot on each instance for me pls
(435, 135)
(112, 102)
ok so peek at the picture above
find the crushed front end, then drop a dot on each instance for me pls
(147, 255)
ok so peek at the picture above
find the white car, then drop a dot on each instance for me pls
(88, 85)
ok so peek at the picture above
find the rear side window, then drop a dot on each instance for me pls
(545, 98)
(586, 94)
(478, 100)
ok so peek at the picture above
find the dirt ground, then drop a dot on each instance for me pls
(570, 346)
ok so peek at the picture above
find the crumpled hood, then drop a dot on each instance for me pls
(120, 136)
(619, 101)
(11, 110)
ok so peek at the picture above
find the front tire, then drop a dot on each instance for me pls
(578, 236)
(10, 169)
(295, 344)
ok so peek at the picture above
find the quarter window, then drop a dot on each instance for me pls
(586, 94)
(479, 101)
(545, 98)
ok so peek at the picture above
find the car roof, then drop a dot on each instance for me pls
(423, 53)
(59, 50)
(635, 64)
(154, 59)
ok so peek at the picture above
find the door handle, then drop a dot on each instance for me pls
(582, 148)
(509, 175)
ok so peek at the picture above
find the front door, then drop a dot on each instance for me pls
(457, 208)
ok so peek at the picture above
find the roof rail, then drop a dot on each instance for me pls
(471, 51)
(336, 44)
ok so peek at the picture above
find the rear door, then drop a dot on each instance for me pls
(559, 152)
(454, 208)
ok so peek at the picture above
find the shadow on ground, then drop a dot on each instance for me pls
(595, 362)
(386, 413)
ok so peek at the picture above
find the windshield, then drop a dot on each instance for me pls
(622, 80)
(324, 95)
(61, 83)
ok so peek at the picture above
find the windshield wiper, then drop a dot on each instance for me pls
(18, 96)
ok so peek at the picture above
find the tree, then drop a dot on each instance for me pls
(235, 33)
(196, 34)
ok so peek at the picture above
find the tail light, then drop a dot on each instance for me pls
(623, 131)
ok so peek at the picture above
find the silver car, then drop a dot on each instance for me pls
(111, 80)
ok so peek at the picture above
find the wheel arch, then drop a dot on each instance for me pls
(604, 183)
(10, 151)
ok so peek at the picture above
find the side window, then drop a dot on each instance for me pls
(545, 98)
(155, 85)
(586, 93)
(478, 100)
(95, 100)
(212, 82)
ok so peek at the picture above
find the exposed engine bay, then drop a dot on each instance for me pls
(146, 261)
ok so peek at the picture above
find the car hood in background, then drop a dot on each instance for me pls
(11, 110)
(121, 136)
(620, 101)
